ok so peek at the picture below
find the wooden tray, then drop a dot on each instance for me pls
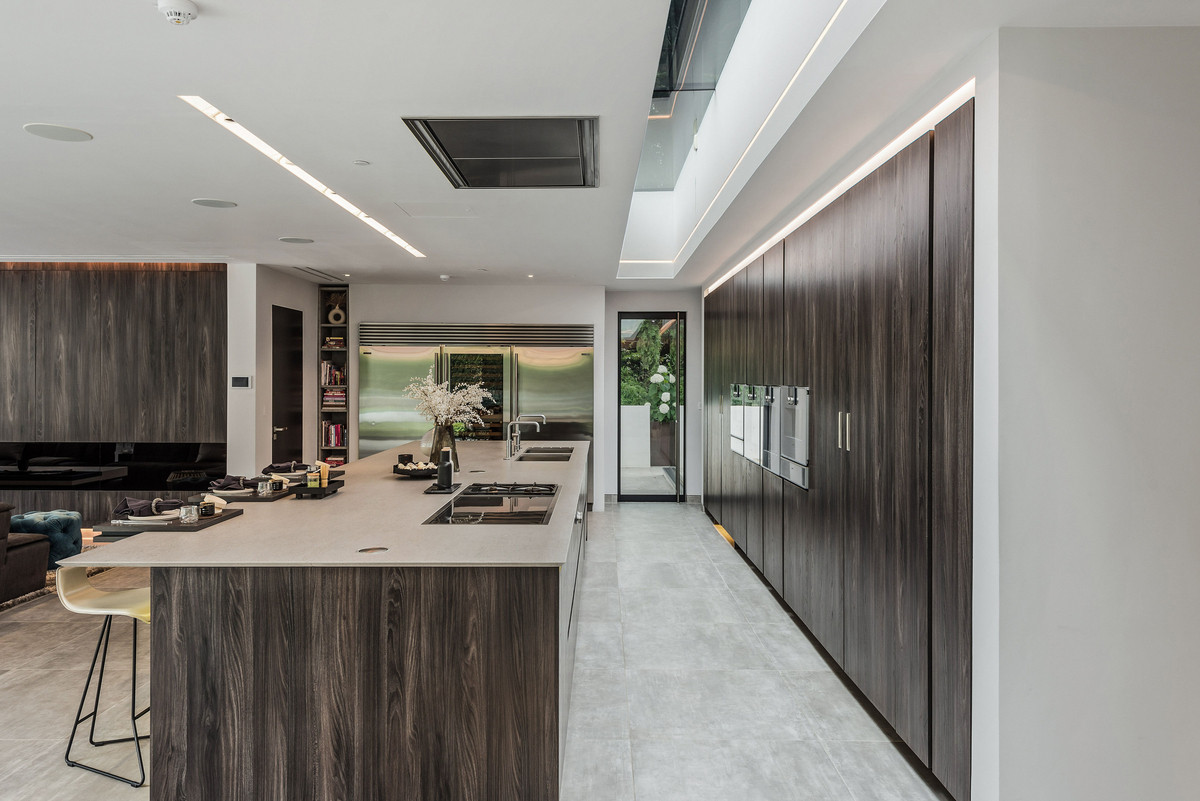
(317, 492)
(112, 532)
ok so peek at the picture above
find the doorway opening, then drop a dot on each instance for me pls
(651, 403)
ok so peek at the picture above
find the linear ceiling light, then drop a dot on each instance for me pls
(240, 131)
(926, 123)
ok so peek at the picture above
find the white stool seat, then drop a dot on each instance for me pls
(78, 595)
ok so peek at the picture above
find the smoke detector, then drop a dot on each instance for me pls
(178, 12)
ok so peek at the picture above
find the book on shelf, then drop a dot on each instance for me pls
(333, 435)
(335, 342)
(332, 374)
(335, 461)
(333, 397)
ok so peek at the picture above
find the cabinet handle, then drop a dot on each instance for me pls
(847, 432)
(840, 430)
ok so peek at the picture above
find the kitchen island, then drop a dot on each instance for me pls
(343, 648)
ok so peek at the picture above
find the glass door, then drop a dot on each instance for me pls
(650, 421)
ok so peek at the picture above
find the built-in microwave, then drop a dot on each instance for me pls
(793, 434)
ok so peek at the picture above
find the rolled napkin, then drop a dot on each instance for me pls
(218, 503)
(286, 467)
(141, 508)
(228, 483)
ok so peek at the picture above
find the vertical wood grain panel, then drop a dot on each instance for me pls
(952, 433)
(113, 352)
(373, 683)
(18, 357)
(772, 530)
(774, 317)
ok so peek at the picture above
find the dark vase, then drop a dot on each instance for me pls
(443, 437)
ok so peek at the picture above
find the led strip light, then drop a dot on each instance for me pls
(926, 123)
(241, 132)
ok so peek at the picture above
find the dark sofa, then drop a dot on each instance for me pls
(23, 559)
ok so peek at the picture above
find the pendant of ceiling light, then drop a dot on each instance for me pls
(241, 132)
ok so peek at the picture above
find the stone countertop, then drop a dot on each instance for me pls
(374, 509)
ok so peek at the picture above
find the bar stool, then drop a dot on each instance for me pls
(78, 595)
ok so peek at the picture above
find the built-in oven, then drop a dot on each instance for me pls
(752, 422)
(736, 418)
(771, 427)
(793, 434)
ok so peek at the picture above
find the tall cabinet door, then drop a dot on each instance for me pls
(887, 444)
(814, 530)
(754, 362)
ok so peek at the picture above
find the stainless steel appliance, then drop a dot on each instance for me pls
(752, 432)
(772, 400)
(737, 419)
(499, 504)
(793, 434)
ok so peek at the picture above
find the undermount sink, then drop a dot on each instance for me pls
(544, 449)
(530, 456)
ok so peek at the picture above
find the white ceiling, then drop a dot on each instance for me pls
(324, 83)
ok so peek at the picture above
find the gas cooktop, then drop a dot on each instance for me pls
(499, 504)
(510, 489)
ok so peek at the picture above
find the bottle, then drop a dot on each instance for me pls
(445, 474)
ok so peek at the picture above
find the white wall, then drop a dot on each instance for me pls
(455, 303)
(252, 290)
(687, 301)
(1099, 171)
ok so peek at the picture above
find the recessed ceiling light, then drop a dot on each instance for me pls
(360, 163)
(243, 133)
(295, 240)
(213, 203)
(530, 275)
(345, 275)
(60, 133)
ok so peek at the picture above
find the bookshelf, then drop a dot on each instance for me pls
(333, 375)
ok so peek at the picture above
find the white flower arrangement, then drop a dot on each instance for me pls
(671, 378)
(445, 406)
(663, 408)
(666, 396)
(662, 368)
(656, 378)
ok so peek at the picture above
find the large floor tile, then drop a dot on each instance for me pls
(759, 605)
(600, 645)
(600, 550)
(692, 646)
(740, 576)
(714, 704)
(599, 574)
(633, 550)
(745, 770)
(789, 647)
(46, 609)
(599, 604)
(36, 772)
(22, 643)
(880, 772)
(77, 654)
(599, 704)
(597, 770)
(665, 575)
(681, 604)
(836, 712)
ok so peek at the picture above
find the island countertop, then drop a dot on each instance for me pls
(374, 509)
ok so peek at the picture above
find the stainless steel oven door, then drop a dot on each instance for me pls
(771, 427)
(737, 395)
(793, 441)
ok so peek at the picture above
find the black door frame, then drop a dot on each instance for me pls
(295, 326)
(680, 495)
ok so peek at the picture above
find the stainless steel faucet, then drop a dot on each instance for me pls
(512, 433)
(523, 416)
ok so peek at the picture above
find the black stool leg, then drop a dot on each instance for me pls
(102, 654)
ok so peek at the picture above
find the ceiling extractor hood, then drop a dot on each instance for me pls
(511, 152)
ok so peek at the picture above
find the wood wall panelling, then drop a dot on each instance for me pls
(367, 683)
(951, 442)
(114, 352)
(774, 327)
(772, 530)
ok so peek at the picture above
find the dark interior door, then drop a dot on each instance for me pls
(287, 384)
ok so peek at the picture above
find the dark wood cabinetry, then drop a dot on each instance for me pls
(951, 434)
(869, 305)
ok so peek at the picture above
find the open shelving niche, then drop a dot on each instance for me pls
(333, 402)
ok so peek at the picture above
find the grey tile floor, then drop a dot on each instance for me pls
(691, 682)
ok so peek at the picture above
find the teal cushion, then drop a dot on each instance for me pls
(64, 530)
